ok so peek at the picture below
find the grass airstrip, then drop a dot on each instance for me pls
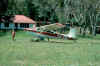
(85, 51)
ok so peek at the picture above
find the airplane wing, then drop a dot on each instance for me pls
(54, 26)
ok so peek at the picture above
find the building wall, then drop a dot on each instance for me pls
(12, 26)
(2, 26)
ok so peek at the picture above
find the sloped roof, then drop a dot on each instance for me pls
(22, 19)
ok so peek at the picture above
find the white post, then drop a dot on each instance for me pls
(19, 26)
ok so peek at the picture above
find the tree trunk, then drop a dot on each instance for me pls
(84, 31)
(80, 30)
(90, 29)
(94, 31)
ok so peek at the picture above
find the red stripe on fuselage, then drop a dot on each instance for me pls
(46, 33)
(50, 34)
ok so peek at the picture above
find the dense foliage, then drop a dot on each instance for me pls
(85, 13)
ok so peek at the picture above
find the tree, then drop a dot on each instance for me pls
(3, 6)
(84, 12)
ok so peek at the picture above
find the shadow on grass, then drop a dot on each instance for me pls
(58, 42)
(55, 42)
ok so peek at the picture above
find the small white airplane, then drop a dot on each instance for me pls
(46, 32)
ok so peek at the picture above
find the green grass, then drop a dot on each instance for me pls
(23, 52)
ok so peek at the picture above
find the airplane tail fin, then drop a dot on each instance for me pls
(72, 34)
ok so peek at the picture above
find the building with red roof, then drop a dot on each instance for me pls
(18, 22)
